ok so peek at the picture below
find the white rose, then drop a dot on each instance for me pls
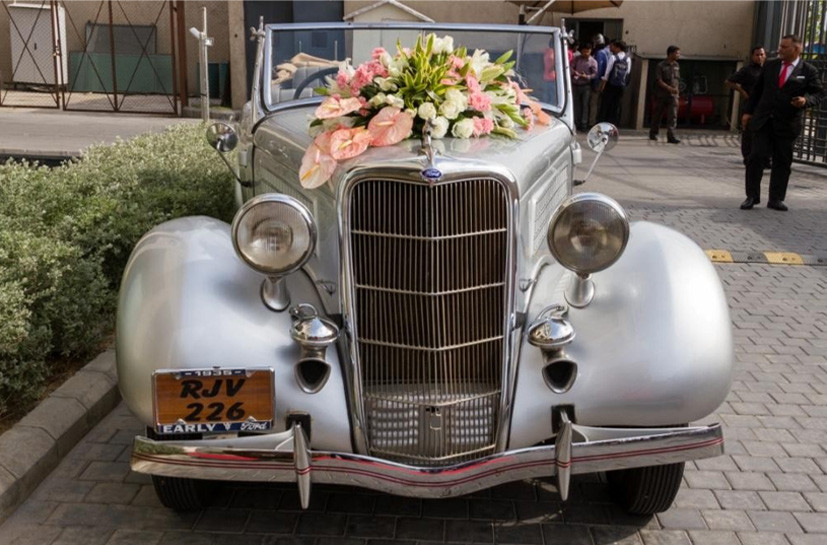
(437, 49)
(451, 109)
(411, 112)
(396, 67)
(455, 95)
(447, 44)
(395, 101)
(440, 127)
(386, 59)
(386, 84)
(378, 99)
(463, 128)
(427, 110)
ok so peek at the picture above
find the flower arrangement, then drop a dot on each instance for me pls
(387, 99)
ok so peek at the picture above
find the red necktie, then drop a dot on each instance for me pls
(782, 77)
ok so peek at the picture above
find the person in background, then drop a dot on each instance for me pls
(667, 92)
(601, 54)
(743, 81)
(583, 71)
(774, 113)
(614, 82)
(549, 92)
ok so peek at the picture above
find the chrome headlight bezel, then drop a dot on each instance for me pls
(275, 200)
(619, 230)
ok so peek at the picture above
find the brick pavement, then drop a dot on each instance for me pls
(770, 488)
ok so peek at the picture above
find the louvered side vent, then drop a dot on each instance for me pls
(429, 288)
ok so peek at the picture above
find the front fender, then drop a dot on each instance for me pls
(654, 348)
(187, 301)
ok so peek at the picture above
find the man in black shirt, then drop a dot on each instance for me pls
(743, 81)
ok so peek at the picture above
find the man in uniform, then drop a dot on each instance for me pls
(743, 81)
(667, 78)
(775, 115)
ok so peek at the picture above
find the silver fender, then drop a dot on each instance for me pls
(187, 301)
(654, 348)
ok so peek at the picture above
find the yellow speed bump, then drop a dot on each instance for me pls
(719, 256)
(784, 258)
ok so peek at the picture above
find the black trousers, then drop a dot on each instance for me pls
(610, 105)
(766, 144)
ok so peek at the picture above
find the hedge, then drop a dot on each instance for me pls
(66, 233)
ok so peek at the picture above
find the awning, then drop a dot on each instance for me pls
(562, 6)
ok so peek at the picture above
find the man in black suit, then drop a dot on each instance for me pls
(774, 113)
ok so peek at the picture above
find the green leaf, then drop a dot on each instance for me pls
(504, 57)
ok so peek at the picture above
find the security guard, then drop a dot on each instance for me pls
(667, 78)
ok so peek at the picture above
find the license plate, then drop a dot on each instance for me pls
(213, 400)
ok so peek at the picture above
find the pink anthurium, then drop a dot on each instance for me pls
(347, 143)
(390, 126)
(317, 163)
(335, 106)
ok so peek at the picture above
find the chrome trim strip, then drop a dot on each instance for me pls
(433, 294)
(427, 349)
(270, 459)
(415, 237)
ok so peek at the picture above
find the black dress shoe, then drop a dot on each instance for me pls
(777, 205)
(653, 137)
(749, 203)
(673, 140)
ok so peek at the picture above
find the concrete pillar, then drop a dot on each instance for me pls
(238, 56)
(641, 95)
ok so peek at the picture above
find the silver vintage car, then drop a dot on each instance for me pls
(410, 299)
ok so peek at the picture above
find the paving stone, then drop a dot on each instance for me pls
(749, 481)
(491, 510)
(84, 535)
(322, 524)
(792, 482)
(109, 493)
(772, 521)
(510, 533)
(811, 539)
(469, 531)
(271, 522)
(134, 537)
(706, 480)
(813, 523)
(559, 534)
(619, 535)
(105, 471)
(699, 499)
(681, 519)
(453, 508)
(784, 501)
(351, 503)
(420, 529)
(700, 537)
(727, 520)
(28, 534)
(764, 538)
(665, 537)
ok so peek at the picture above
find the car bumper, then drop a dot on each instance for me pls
(287, 456)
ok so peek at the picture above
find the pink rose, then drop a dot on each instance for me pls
(483, 126)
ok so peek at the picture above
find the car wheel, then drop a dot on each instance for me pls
(179, 493)
(646, 490)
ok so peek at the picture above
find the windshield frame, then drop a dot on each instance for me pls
(270, 29)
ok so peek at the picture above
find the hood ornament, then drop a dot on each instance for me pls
(430, 173)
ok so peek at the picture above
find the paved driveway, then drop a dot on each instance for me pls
(770, 488)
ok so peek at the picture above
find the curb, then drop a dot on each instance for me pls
(33, 447)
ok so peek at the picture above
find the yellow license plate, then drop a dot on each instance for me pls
(213, 400)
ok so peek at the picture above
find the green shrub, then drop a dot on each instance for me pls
(65, 236)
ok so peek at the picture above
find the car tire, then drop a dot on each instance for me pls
(180, 494)
(646, 490)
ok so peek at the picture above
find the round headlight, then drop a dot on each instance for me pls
(588, 232)
(274, 234)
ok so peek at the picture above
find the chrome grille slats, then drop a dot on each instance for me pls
(429, 290)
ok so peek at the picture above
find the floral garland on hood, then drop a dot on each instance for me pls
(385, 100)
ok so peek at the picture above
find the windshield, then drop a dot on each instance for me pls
(299, 57)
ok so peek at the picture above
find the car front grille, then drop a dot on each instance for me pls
(428, 280)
